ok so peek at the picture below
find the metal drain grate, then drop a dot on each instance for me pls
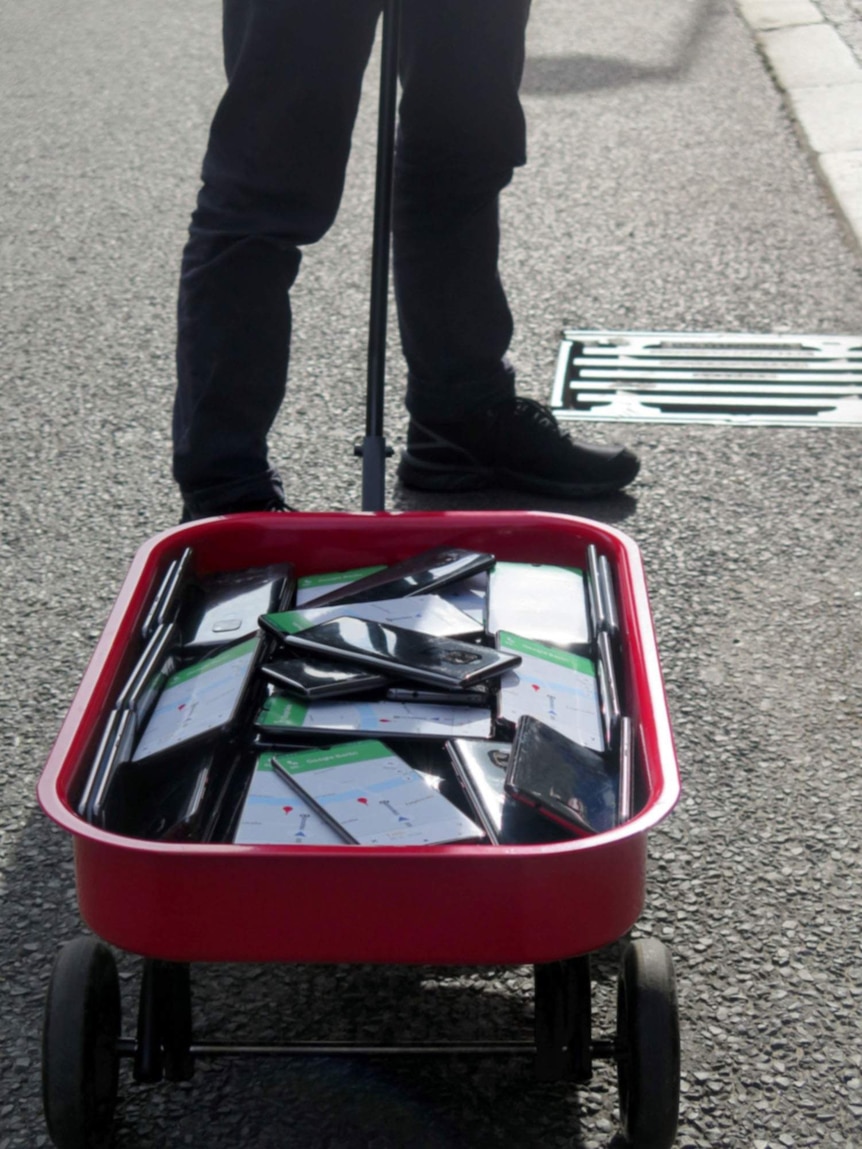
(763, 380)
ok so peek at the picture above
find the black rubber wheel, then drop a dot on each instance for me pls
(648, 1060)
(80, 1060)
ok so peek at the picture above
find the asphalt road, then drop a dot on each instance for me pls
(667, 189)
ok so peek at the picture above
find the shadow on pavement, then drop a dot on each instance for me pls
(565, 75)
(610, 510)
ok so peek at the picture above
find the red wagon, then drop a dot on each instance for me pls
(546, 905)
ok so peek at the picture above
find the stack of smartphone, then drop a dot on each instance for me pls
(171, 753)
(464, 698)
(385, 655)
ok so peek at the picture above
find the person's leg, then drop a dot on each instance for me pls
(461, 135)
(273, 176)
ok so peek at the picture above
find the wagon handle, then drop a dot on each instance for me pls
(373, 449)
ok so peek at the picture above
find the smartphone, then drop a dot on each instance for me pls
(320, 810)
(161, 801)
(625, 787)
(106, 744)
(601, 594)
(420, 574)
(606, 582)
(373, 797)
(609, 696)
(403, 653)
(154, 667)
(203, 700)
(539, 601)
(114, 751)
(166, 600)
(270, 816)
(480, 765)
(321, 677)
(225, 796)
(224, 608)
(430, 613)
(563, 780)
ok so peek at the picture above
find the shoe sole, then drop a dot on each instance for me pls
(422, 477)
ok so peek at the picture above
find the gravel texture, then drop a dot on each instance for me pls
(666, 190)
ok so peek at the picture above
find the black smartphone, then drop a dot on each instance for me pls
(154, 667)
(606, 582)
(480, 765)
(420, 574)
(161, 801)
(225, 795)
(625, 786)
(321, 677)
(224, 608)
(114, 751)
(565, 781)
(601, 594)
(403, 653)
(200, 701)
(609, 695)
(106, 743)
(166, 601)
(430, 613)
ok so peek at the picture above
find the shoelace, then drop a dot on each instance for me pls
(538, 413)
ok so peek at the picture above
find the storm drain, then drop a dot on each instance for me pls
(774, 380)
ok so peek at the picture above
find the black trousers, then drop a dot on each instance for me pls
(273, 177)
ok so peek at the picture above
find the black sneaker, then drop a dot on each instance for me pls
(518, 445)
(273, 504)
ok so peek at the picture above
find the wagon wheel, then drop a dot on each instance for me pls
(80, 1059)
(648, 1059)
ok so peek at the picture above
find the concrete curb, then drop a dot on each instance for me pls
(821, 77)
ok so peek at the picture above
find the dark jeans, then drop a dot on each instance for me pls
(273, 177)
